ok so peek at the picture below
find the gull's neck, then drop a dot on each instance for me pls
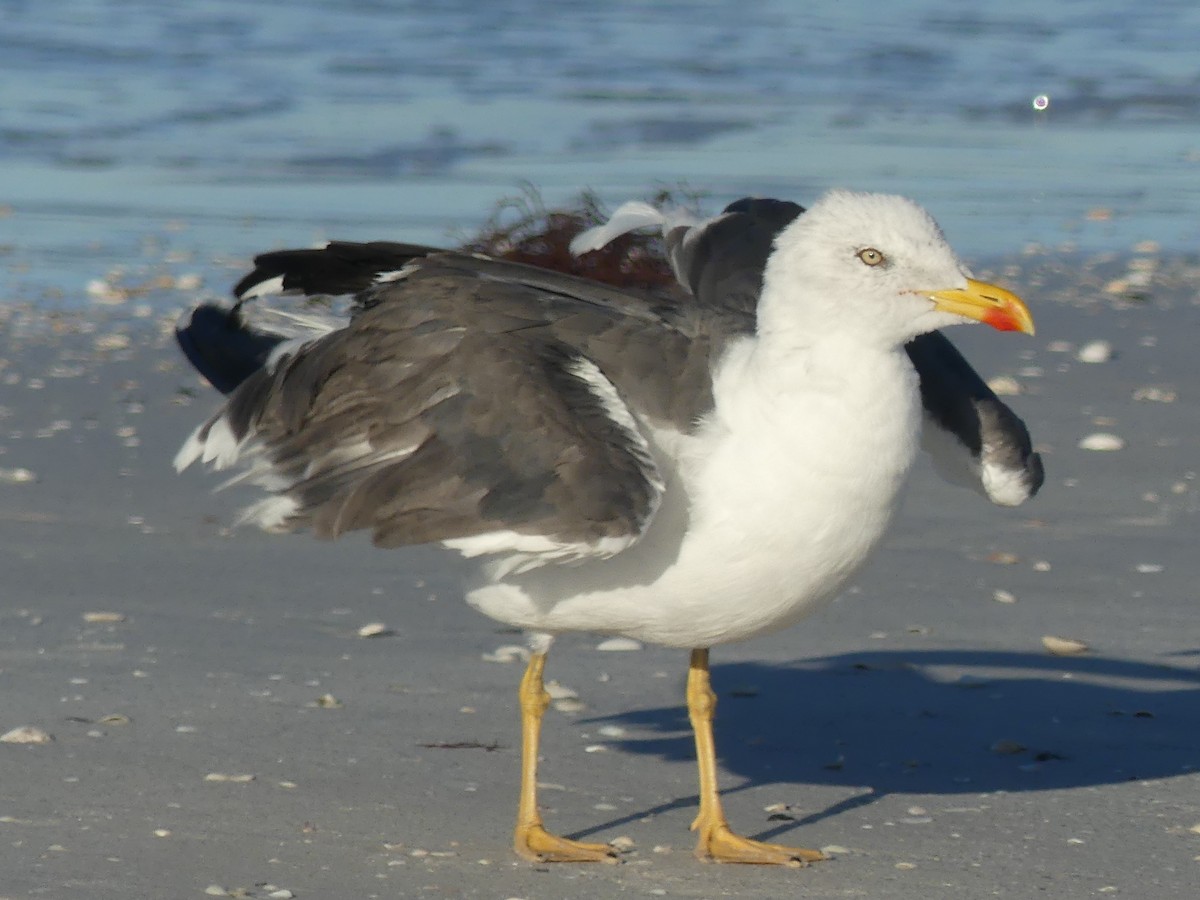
(795, 313)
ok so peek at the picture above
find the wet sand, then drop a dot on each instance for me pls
(222, 727)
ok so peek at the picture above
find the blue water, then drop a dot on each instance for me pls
(145, 134)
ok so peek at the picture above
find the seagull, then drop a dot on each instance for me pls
(687, 470)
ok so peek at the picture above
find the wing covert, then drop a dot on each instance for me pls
(420, 428)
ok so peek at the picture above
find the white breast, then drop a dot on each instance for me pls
(770, 507)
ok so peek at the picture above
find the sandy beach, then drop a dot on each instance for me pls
(215, 721)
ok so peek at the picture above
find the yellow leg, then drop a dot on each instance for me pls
(716, 841)
(531, 840)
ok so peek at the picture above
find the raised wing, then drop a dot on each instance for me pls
(470, 401)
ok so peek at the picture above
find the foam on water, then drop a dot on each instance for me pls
(217, 126)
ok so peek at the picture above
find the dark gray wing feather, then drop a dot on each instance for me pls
(721, 261)
(471, 397)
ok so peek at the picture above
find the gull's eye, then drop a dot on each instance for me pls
(871, 257)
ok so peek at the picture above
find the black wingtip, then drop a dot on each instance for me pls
(340, 267)
(222, 347)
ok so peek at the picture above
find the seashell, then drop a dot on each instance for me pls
(97, 618)
(1005, 386)
(506, 653)
(374, 629)
(1060, 646)
(1103, 441)
(26, 734)
(1095, 352)
(619, 644)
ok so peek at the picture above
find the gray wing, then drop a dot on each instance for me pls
(657, 349)
(467, 399)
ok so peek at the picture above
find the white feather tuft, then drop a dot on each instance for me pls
(190, 451)
(400, 274)
(289, 323)
(221, 446)
(264, 288)
(213, 442)
(517, 553)
(270, 514)
(628, 217)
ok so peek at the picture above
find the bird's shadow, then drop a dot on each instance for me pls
(937, 722)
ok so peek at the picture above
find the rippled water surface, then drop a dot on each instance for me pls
(197, 131)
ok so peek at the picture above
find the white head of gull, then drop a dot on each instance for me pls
(521, 417)
(863, 268)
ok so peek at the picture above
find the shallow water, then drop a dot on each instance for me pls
(145, 134)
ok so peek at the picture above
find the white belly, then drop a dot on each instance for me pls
(767, 515)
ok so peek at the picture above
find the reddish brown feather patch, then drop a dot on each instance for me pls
(542, 237)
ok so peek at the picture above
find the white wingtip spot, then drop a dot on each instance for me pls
(1004, 486)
